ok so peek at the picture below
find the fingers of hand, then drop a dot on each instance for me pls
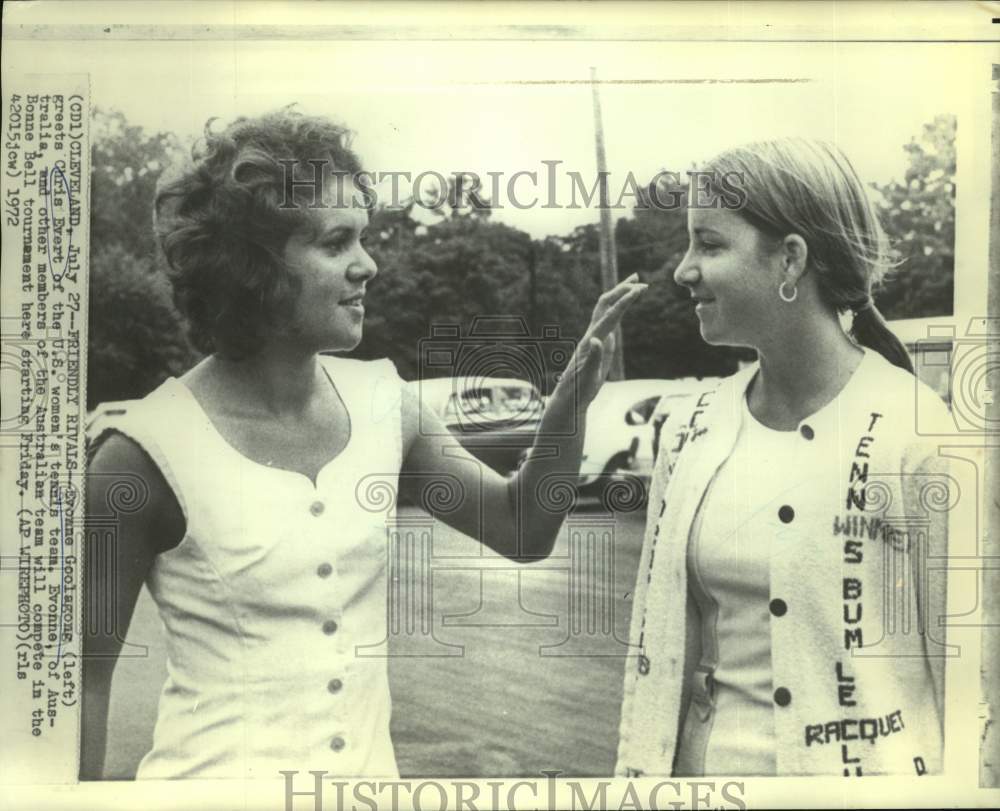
(624, 284)
(609, 297)
(605, 322)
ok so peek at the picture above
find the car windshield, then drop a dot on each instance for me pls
(495, 403)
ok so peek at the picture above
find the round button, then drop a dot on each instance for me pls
(334, 685)
(324, 570)
(643, 664)
(337, 744)
(782, 697)
(316, 508)
(778, 607)
(786, 514)
(807, 432)
(329, 627)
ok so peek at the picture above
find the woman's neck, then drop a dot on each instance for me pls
(274, 381)
(802, 371)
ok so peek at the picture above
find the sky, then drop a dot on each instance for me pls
(505, 106)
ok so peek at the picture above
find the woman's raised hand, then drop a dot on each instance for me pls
(590, 362)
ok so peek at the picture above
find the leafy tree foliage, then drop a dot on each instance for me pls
(444, 274)
(126, 163)
(919, 216)
(137, 337)
(136, 334)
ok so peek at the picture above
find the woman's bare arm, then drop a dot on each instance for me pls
(519, 517)
(120, 548)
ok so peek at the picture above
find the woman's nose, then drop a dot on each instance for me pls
(363, 268)
(686, 274)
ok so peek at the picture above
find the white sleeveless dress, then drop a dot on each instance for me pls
(274, 602)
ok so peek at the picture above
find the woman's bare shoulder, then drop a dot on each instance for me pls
(123, 482)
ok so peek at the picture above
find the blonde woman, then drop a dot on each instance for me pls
(786, 613)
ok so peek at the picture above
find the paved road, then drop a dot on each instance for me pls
(509, 700)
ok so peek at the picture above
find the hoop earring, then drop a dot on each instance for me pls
(784, 296)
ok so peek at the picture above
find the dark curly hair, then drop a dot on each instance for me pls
(224, 222)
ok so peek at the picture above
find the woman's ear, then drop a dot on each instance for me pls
(795, 254)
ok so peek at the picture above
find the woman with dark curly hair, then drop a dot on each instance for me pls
(268, 574)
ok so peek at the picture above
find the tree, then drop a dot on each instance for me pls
(137, 337)
(126, 164)
(919, 217)
(136, 333)
(447, 273)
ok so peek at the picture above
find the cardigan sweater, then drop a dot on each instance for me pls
(856, 569)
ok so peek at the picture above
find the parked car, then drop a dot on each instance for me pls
(620, 430)
(494, 418)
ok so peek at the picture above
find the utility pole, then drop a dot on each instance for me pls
(606, 231)
(532, 288)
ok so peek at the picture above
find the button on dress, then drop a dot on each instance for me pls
(274, 602)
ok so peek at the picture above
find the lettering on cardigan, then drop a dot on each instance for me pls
(855, 498)
(845, 687)
(853, 637)
(854, 729)
(700, 407)
(696, 430)
(858, 526)
(852, 612)
(898, 539)
(681, 437)
(689, 432)
(859, 471)
(850, 761)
